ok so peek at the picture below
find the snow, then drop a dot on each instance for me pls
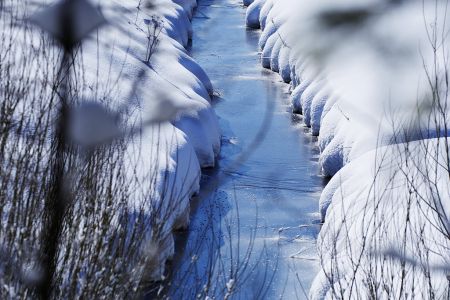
(252, 14)
(269, 30)
(172, 75)
(366, 205)
(265, 9)
(357, 93)
(317, 108)
(306, 99)
(176, 150)
(177, 22)
(275, 54)
(283, 64)
(267, 51)
(177, 170)
(360, 90)
(169, 94)
(297, 94)
(188, 6)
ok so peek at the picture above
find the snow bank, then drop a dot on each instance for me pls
(287, 43)
(384, 233)
(167, 93)
(172, 151)
(360, 80)
(252, 14)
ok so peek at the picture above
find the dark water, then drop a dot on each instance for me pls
(253, 235)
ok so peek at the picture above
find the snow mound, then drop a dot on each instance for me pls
(387, 214)
(362, 85)
(172, 151)
(164, 160)
(252, 13)
(357, 93)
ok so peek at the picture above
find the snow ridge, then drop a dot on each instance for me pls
(360, 105)
(165, 158)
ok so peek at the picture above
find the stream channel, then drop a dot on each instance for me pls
(254, 225)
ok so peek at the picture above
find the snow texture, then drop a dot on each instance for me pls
(168, 90)
(355, 225)
(359, 99)
(252, 14)
(175, 150)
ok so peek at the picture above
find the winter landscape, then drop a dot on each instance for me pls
(224, 149)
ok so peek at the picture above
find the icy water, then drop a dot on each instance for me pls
(253, 233)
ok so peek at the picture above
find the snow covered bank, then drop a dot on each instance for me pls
(137, 69)
(362, 82)
(171, 80)
(327, 70)
(386, 232)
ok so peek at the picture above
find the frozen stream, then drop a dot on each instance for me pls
(254, 234)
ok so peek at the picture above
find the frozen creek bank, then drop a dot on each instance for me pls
(166, 158)
(136, 66)
(386, 209)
